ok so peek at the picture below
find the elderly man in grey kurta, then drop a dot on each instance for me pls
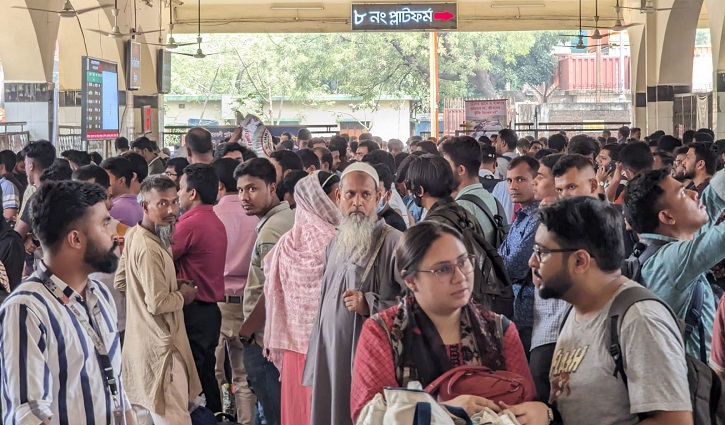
(158, 368)
(360, 279)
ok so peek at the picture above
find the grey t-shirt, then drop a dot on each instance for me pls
(582, 371)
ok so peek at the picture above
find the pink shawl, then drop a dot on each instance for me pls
(293, 271)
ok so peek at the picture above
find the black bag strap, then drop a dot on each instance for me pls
(496, 220)
(693, 318)
(643, 251)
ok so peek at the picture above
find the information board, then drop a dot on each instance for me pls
(133, 65)
(484, 117)
(99, 99)
(164, 71)
(404, 16)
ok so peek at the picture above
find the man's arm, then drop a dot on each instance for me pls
(255, 320)
(119, 281)
(152, 276)
(669, 418)
(182, 236)
(24, 350)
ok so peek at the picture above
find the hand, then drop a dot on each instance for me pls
(30, 246)
(180, 282)
(245, 331)
(472, 404)
(529, 413)
(617, 175)
(188, 292)
(355, 301)
(602, 174)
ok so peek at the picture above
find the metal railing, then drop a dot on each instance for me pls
(576, 127)
(13, 135)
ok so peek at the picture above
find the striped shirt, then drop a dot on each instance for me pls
(48, 364)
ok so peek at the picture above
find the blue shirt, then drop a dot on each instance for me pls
(10, 196)
(674, 270)
(415, 210)
(516, 251)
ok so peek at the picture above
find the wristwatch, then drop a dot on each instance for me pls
(602, 184)
(550, 413)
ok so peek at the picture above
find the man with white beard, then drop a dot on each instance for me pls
(360, 279)
(159, 374)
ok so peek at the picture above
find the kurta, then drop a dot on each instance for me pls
(155, 321)
(328, 369)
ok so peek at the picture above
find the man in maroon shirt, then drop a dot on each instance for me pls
(200, 248)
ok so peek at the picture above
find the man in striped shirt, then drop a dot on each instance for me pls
(59, 327)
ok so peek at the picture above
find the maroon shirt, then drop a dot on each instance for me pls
(200, 251)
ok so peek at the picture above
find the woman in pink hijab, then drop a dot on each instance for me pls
(293, 271)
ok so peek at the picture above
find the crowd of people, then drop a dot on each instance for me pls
(299, 288)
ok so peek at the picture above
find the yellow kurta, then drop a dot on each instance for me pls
(155, 320)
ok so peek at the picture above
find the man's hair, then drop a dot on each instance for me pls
(380, 157)
(339, 144)
(289, 182)
(79, 158)
(666, 158)
(57, 205)
(365, 136)
(549, 161)
(544, 152)
(260, 168)
(138, 165)
(682, 150)
(120, 167)
(287, 145)
(198, 140)
(41, 152)
(624, 131)
(607, 132)
(395, 143)
(225, 148)
(142, 143)
(636, 129)
(317, 141)
(326, 155)
(92, 172)
(707, 131)
(433, 174)
(488, 154)
(463, 151)
(304, 134)
(384, 174)
(370, 144)
(224, 168)
(642, 200)
(531, 162)
(157, 182)
(583, 145)
(287, 134)
(652, 143)
(704, 152)
(58, 171)
(587, 223)
(309, 158)
(399, 158)
(704, 137)
(567, 162)
(613, 149)
(523, 143)
(636, 157)
(557, 142)
(485, 140)
(288, 160)
(429, 147)
(203, 179)
(687, 137)
(96, 158)
(8, 158)
(510, 137)
(668, 143)
(121, 143)
(179, 164)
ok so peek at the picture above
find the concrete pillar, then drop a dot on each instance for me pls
(638, 60)
(716, 19)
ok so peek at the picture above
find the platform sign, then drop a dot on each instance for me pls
(404, 16)
(485, 117)
(99, 100)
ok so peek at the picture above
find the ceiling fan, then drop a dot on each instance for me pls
(596, 35)
(115, 32)
(618, 24)
(171, 44)
(68, 10)
(648, 7)
(199, 52)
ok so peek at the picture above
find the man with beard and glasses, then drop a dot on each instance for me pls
(360, 279)
(577, 258)
(200, 249)
(158, 366)
(256, 183)
(59, 342)
(700, 166)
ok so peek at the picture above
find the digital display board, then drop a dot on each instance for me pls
(163, 69)
(99, 100)
(133, 65)
(404, 16)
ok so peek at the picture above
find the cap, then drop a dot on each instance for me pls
(364, 168)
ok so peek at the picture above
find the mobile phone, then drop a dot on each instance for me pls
(191, 283)
(610, 167)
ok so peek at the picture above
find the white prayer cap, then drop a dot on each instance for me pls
(363, 167)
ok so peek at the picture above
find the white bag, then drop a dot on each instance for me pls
(399, 407)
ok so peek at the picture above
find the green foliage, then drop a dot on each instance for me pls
(258, 67)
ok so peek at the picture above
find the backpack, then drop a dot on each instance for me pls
(489, 182)
(632, 268)
(708, 400)
(492, 286)
(500, 226)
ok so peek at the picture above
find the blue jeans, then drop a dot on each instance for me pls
(263, 378)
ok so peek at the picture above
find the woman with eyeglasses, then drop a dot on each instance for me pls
(436, 327)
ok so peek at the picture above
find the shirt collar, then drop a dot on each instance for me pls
(228, 199)
(470, 188)
(201, 209)
(61, 284)
(658, 237)
(527, 211)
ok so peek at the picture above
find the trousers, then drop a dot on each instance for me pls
(203, 326)
(264, 379)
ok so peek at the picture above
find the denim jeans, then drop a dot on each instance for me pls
(264, 380)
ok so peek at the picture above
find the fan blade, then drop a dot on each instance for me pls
(182, 54)
(36, 9)
(145, 32)
(91, 9)
(106, 33)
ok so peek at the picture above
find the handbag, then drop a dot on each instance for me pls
(480, 381)
(408, 406)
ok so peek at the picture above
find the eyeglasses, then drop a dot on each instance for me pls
(172, 174)
(445, 272)
(539, 251)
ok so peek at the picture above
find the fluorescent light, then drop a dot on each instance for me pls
(296, 7)
(515, 6)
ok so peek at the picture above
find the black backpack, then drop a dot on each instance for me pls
(489, 182)
(492, 286)
(706, 395)
(500, 226)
